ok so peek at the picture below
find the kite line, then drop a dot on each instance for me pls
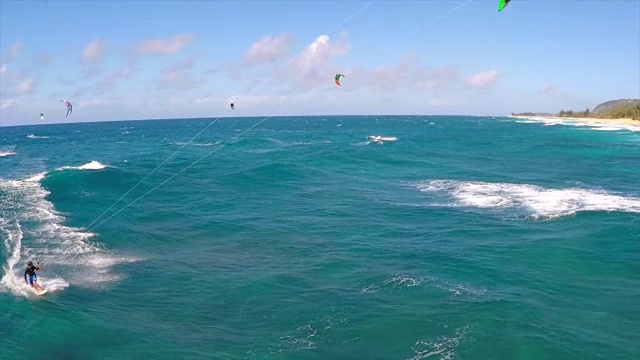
(343, 22)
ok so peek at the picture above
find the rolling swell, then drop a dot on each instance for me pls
(463, 238)
(33, 226)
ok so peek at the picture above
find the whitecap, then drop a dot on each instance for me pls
(93, 165)
(536, 201)
(65, 251)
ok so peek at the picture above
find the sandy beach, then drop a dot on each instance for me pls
(623, 121)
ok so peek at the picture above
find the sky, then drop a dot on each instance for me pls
(129, 60)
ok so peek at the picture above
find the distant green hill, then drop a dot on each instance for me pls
(612, 109)
(614, 106)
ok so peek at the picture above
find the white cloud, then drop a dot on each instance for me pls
(43, 60)
(409, 73)
(552, 91)
(91, 72)
(484, 79)
(318, 54)
(16, 83)
(108, 83)
(547, 89)
(184, 64)
(207, 99)
(26, 86)
(7, 104)
(438, 102)
(248, 102)
(315, 66)
(307, 69)
(124, 73)
(94, 52)
(176, 80)
(179, 77)
(163, 47)
(428, 79)
(14, 51)
(95, 103)
(269, 49)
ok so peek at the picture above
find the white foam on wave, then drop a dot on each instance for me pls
(601, 126)
(37, 177)
(305, 336)
(286, 144)
(395, 282)
(12, 244)
(375, 139)
(378, 139)
(13, 278)
(609, 128)
(442, 347)
(403, 281)
(578, 123)
(31, 136)
(93, 165)
(180, 143)
(67, 253)
(535, 201)
(6, 153)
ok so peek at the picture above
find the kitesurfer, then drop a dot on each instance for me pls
(33, 278)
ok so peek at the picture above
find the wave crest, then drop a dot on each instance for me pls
(93, 165)
(532, 200)
(33, 229)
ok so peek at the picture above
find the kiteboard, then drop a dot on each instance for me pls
(44, 291)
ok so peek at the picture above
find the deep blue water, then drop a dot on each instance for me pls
(460, 237)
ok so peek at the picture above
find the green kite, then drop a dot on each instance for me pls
(502, 4)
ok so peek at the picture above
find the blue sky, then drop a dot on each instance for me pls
(117, 60)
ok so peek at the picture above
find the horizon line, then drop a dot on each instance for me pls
(249, 117)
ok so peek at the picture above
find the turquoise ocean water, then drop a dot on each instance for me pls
(459, 237)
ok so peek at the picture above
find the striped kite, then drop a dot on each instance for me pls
(338, 78)
(69, 107)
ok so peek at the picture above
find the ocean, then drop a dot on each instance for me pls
(446, 237)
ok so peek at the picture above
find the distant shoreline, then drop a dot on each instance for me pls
(622, 121)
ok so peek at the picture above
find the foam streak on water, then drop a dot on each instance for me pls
(534, 201)
(12, 235)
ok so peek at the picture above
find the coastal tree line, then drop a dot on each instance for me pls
(571, 113)
(626, 112)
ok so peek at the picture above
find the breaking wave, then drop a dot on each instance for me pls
(529, 200)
